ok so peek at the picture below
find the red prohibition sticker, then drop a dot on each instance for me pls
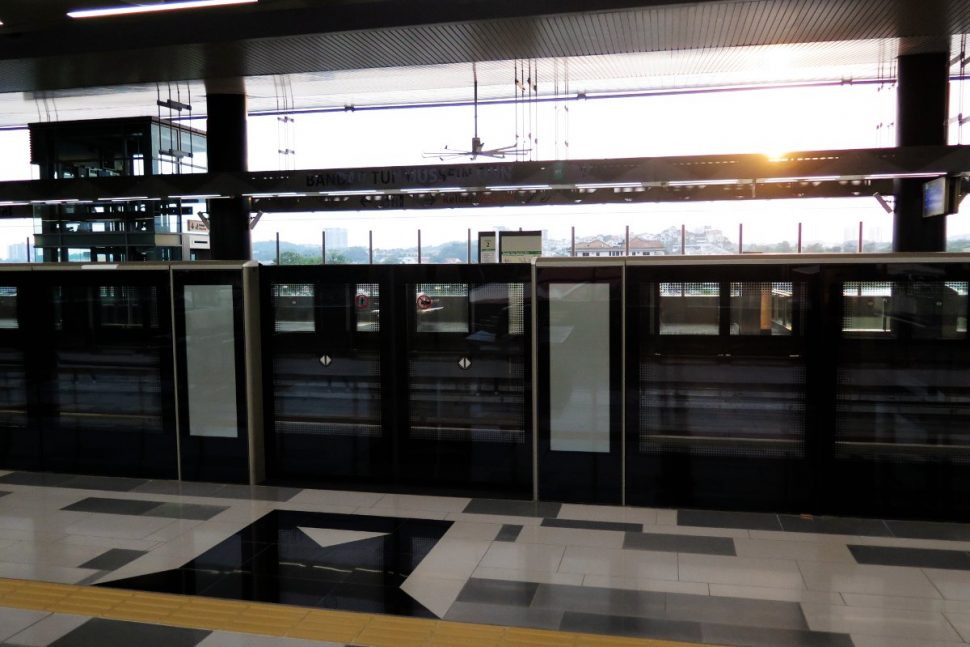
(424, 301)
(362, 301)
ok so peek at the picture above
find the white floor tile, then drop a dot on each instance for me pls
(437, 594)
(108, 542)
(121, 526)
(452, 559)
(902, 602)
(525, 557)
(404, 513)
(473, 530)
(335, 497)
(422, 503)
(666, 517)
(644, 584)
(493, 518)
(775, 593)
(48, 629)
(899, 623)
(717, 569)
(521, 575)
(570, 537)
(960, 622)
(780, 549)
(44, 572)
(229, 639)
(55, 554)
(861, 640)
(635, 564)
(13, 621)
(954, 585)
(865, 578)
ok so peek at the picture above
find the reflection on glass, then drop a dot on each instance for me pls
(926, 309)
(128, 306)
(367, 302)
(900, 391)
(210, 350)
(441, 307)
(8, 307)
(579, 367)
(689, 308)
(761, 308)
(293, 307)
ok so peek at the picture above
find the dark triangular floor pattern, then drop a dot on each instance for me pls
(272, 560)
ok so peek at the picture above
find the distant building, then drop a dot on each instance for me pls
(17, 253)
(638, 247)
(336, 238)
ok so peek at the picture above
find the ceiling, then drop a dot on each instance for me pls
(322, 54)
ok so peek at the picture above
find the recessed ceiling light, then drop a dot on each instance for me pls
(153, 8)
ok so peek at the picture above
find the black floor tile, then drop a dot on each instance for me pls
(915, 557)
(513, 508)
(505, 615)
(498, 592)
(113, 559)
(374, 599)
(274, 560)
(593, 525)
(720, 634)
(835, 526)
(259, 492)
(679, 543)
(509, 532)
(182, 581)
(627, 626)
(183, 488)
(113, 506)
(106, 483)
(930, 530)
(718, 519)
(42, 479)
(735, 611)
(587, 599)
(190, 511)
(3, 494)
(98, 632)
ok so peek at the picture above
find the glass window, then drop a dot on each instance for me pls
(441, 307)
(927, 309)
(761, 308)
(8, 307)
(367, 302)
(689, 308)
(210, 349)
(293, 307)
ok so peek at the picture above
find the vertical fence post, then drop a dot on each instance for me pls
(277, 248)
(572, 247)
(419, 246)
(323, 247)
(859, 249)
(370, 247)
(799, 244)
(626, 247)
(469, 258)
(28, 249)
(740, 238)
(683, 240)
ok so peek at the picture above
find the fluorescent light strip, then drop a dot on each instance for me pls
(154, 8)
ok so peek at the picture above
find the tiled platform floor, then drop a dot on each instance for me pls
(700, 577)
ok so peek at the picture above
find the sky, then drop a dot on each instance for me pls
(770, 121)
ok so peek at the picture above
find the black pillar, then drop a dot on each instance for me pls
(922, 98)
(229, 236)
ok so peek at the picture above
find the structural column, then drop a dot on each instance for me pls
(229, 236)
(922, 98)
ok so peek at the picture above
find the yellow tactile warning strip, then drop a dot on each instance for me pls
(288, 621)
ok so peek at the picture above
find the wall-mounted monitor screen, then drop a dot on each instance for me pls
(941, 196)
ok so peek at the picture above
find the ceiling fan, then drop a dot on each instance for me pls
(478, 146)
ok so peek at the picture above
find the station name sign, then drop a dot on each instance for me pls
(411, 176)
